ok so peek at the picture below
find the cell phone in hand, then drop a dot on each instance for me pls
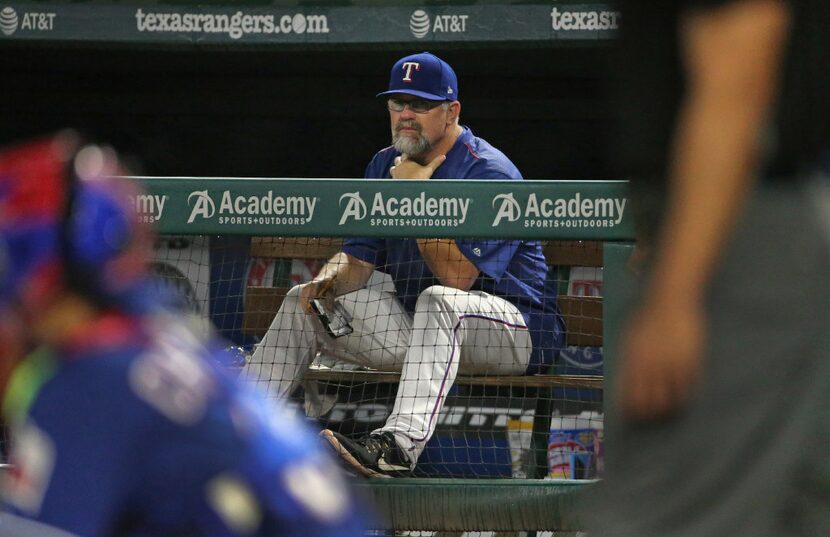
(336, 321)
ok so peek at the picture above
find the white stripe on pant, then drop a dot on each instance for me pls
(451, 330)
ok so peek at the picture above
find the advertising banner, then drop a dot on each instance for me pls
(162, 23)
(583, 210)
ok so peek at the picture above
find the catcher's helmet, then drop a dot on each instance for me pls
(66, 222)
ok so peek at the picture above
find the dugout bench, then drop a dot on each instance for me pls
(200, 206)
(452, 503)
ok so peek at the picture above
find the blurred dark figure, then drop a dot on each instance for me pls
(717, 418)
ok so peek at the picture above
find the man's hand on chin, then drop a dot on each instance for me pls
(406, 168)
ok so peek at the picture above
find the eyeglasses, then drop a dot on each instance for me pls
(419, 106)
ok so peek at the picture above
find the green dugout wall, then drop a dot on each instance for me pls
(556, 210)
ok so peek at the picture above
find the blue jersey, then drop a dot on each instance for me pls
(141, 434)
(512, 269)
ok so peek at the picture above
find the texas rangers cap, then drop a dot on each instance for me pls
(423, 75)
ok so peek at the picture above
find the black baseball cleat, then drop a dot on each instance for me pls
(375, 455)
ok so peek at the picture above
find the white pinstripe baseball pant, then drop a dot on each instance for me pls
(451, 330)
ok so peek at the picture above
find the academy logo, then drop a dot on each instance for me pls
(266, 209)
(574, 212)
(355, 207)
(509, 208)
(419, 210)
(203, 206)
(8, 20)
(419, 23)
(150, 208)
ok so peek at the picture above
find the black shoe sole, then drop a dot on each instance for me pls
(344, 454)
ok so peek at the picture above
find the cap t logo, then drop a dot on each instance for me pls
(407, 66)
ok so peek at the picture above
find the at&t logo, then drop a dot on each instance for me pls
(355, 207)
(30, 21)
(420, 24)
(8, 20)
(202, 206)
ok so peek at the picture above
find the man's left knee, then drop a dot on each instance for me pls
(436, 296)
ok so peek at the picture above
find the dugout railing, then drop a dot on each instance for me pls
(593, 214)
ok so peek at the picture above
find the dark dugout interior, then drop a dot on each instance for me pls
(254, 112)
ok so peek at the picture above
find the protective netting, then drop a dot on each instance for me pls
(498, 418)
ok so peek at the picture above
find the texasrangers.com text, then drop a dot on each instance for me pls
(235, 25)
(569, 20)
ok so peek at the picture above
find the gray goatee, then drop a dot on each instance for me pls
(411, 146)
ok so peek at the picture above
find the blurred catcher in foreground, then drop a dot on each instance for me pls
(122, 422)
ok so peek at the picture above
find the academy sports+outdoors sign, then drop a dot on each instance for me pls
(580, 210)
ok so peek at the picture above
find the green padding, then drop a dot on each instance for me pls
(478, 504)
(583, 210)
(619, 286)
